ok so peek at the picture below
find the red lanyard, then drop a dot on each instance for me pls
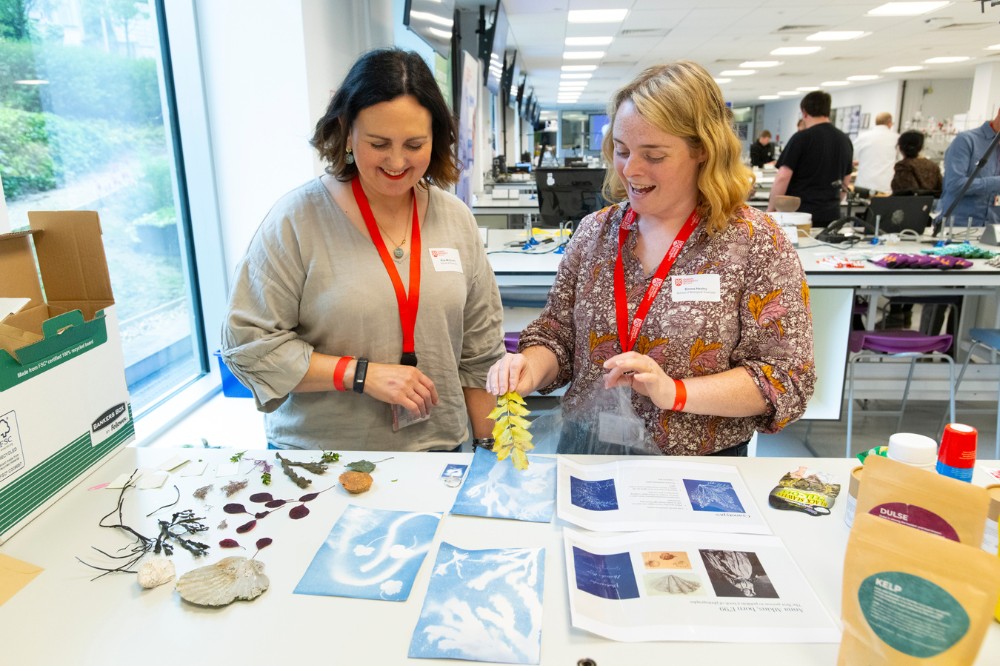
(629, 334)
(407, 303)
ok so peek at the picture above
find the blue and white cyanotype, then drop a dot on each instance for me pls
(483, 605)
(371, 554)
(495, 489)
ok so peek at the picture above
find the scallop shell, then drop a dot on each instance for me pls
(223, 582)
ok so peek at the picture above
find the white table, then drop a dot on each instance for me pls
(63, 618)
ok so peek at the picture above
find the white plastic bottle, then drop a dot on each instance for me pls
(913, 449)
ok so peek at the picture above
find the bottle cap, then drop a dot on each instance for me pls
(958, 445)
(913, 449)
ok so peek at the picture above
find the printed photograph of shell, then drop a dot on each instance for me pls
(593, 495)
(483, 605)
(666, 559)
(371, 554)
(498, 490)
(719, 496)
(737, 573)
(673, 584)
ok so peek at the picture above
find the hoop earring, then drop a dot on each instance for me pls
(350, 156)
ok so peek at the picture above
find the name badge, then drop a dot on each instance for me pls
(446, 259)
(695, 288)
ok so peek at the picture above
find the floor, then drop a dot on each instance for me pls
(233, 423)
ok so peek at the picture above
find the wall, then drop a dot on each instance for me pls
(782, 116)
(937, 99)
(269, 71)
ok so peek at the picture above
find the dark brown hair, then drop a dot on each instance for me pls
(379, 76)
(817, 104)
(911, 143)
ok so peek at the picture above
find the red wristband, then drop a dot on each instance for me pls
(338, 372)
(680, 396)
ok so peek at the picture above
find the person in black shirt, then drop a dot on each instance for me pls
(762, 150)
(816, 164)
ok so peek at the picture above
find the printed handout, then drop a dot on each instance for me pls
(653, 494)
(483, 605)
(496, 489)
(691, 586)
(371, 554)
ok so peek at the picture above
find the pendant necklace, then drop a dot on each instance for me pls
(398, 252)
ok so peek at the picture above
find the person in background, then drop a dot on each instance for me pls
(875, 156)
(816, 164)
(725, 347)
(762, 150)
(914, 174)
(981, 202)
(365, 314)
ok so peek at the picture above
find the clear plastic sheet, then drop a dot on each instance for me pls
(604, 424)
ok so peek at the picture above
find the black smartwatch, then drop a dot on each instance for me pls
(360, 370)
(483, 443)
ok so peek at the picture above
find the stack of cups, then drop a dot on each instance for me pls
(913, 449)
(957, 456)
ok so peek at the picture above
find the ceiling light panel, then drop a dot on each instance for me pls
(596, 15)
(795, 50)
(906, 8)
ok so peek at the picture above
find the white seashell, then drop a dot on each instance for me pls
(223, 582)
(155, 571)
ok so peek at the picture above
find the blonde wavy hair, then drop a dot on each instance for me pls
(683, 100)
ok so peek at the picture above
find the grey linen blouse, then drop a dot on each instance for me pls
(312, 281)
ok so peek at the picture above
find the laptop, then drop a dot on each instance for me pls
(897, 214)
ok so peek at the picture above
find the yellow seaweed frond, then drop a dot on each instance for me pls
(510, 430)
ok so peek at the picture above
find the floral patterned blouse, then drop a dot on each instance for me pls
(762, 323)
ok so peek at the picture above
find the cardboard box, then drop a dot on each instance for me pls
(64, 404)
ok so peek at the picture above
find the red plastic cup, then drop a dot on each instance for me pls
(957, 454)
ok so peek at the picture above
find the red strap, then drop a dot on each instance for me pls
(407, 303)
(339, 370)
(680, 396)
(629, 333)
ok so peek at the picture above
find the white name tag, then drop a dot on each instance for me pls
(446, 259)
(695, 288)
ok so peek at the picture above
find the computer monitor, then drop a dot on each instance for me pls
(568, 195)
(899, 213)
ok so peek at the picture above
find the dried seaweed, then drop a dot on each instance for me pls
(171, 532)
(202, 492)
(234, 487)
(296, 512)
(286, 467)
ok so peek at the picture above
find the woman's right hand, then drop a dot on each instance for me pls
(511, 373)
(402, 385)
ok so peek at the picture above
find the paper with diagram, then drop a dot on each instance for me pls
(653, 494)
(692, 586)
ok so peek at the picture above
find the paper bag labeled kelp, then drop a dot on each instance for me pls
(805, 490)
(913, 598)
(923, 499)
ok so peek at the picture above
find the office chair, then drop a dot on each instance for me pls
(989, 340)
(889, 346)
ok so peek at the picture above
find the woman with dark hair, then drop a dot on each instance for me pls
(915, 174)
(681, 292)
(365, 314)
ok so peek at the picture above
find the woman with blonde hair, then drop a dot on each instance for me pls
(681, 291)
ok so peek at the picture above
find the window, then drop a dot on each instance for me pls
(85, 123)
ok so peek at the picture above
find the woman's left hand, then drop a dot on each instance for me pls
(643, 374)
